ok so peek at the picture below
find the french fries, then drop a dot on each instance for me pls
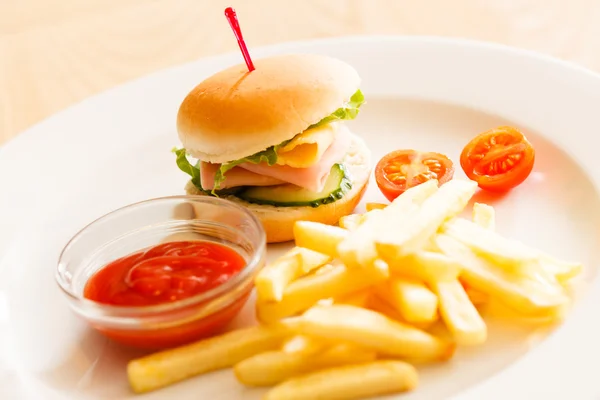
(427, 266)
(349, 382)
(343, 313)
(372, 330)
(272, 280)
(476, 297)
(351, 222)
(413, 233)
(319, 237)
(459, 314)
(375, 206)
(563, 271)
(307, 291)
(382, 306)
(413, 300)
(359, 247)
(223, 351)
(484, 216)
(272, 367)
(523, 294)
(358, 299)
(303, 344)
(506, 252)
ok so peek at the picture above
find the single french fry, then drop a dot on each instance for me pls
(372, 330)
(169, 366)
(476, 297)
(484, 216)
(382, 306)
(375, 206)
(311, 260)
(563, 271)
(303, 344)
(272, 280)
(319, 237)
(308, 290)
(414, 233)
(351, 221)
(358, 299)
(349, 382)
(413, 300)
(521, 293)
(512, 254)
(459, 314)
(273, 367)
(358, 248)
(427, 266)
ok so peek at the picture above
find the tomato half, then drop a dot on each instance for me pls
(402, 169)
(499, 159)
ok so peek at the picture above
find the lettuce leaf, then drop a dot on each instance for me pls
(185, 166)
(347, 112)
(194, 172)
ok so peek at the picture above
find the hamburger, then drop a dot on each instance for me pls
(274, 140)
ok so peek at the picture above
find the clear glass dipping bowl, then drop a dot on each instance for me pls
(146, 224)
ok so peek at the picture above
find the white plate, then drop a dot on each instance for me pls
(425, 93)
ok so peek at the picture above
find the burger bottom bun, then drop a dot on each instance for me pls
(278, 222)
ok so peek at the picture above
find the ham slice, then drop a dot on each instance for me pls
(234, 177)
(312, 178)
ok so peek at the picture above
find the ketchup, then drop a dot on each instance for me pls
(165, 273)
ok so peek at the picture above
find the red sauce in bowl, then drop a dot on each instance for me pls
(163, 274)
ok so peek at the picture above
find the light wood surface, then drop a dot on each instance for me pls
(54, 53)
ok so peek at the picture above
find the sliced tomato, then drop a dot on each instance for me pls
(402, 169)
(499, 159)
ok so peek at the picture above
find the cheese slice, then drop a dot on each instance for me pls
(307, 148)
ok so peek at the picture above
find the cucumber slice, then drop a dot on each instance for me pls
(288, 195)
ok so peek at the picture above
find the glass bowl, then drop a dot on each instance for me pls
(149, 223)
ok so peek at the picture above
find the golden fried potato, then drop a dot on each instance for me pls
(412, 234)
(319, 237)
(427, 266)
(349, 382)
(359, 247)
(375, 206)
(169, 366)
(272, 280)
(305, 292)
(459, 314)
(521, 293)
(351, 222)
(484, 216)
(273, 367)
(372, 330)
(413, 300)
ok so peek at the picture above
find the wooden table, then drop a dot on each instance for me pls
(54, 53)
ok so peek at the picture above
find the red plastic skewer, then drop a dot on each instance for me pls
(235, 26)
